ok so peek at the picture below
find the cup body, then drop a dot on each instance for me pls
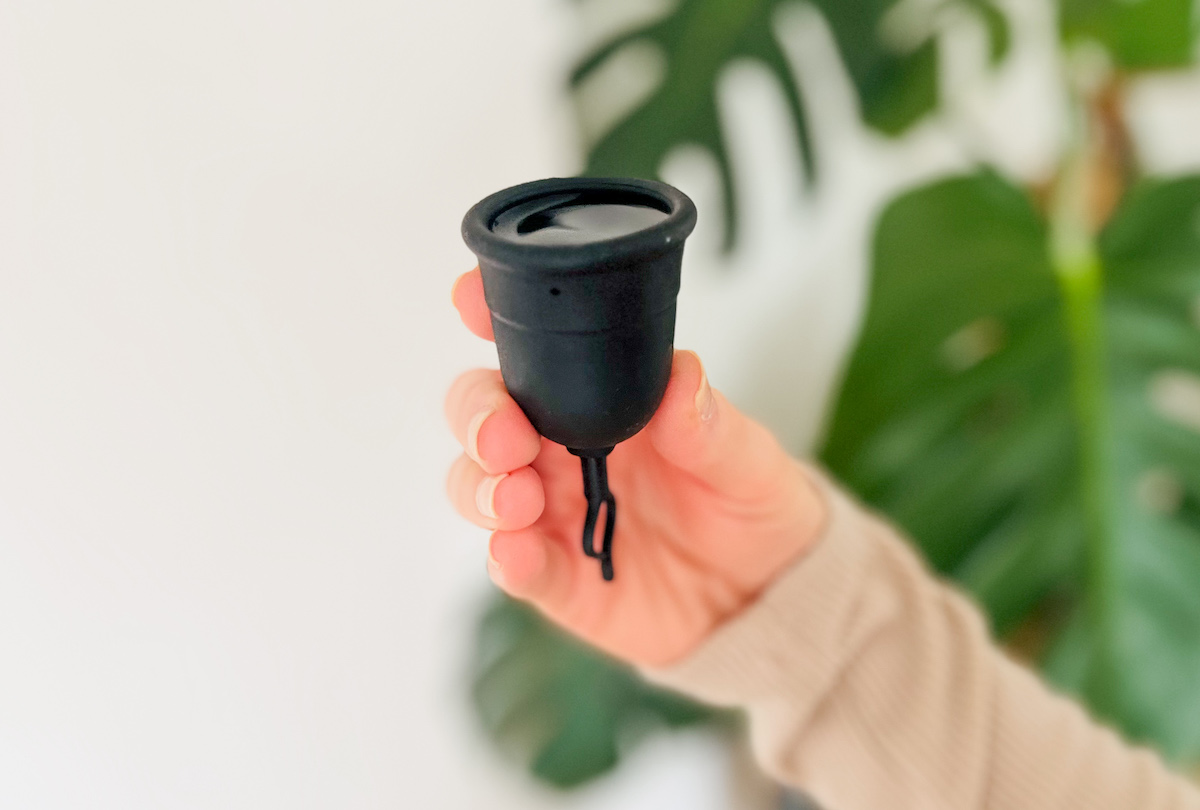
(598, 382)
(585, 332)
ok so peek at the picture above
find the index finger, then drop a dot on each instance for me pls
(467, 295)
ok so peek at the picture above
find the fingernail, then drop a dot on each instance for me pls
(706, 403)
(494, 568)
(473, 429)
(485, 495)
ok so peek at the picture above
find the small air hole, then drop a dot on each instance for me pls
(555, 291)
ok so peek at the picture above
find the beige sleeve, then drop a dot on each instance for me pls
(871, 685)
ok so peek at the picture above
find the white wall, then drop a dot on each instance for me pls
(228, 576)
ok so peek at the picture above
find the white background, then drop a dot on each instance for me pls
(228, 575)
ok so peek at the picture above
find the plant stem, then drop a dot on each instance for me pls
(1080, 273)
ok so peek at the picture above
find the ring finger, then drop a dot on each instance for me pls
(507, 501)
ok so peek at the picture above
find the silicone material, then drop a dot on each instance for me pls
(580, 277)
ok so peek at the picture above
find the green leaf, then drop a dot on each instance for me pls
(997, 29)
(897, 84)
(1036, 431)
(1139, 35)
(562, 708)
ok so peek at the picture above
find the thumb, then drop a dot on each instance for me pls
(700, 432)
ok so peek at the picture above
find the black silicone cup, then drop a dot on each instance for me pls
(584, 332)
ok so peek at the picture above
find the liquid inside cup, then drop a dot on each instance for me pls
(576, 219)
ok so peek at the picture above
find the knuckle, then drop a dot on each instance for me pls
(459, 476)
(464, 393)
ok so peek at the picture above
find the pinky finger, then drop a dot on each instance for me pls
(530, 566)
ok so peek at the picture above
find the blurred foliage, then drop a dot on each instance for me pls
(1136, 36)
(979, 428)
(896, 81)
(1033, 425)
(558, 706)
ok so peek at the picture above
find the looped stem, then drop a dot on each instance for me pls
(595, 489)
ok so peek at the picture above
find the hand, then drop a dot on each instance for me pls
(710, 509)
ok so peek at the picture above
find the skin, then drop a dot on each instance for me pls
(711, 509)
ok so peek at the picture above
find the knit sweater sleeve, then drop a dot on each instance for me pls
(871, 684)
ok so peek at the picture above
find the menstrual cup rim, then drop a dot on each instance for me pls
(597, 256)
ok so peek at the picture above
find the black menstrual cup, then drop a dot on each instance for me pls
(580, 277)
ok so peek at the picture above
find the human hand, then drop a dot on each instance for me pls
(711, 509)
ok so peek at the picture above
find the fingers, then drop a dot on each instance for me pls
(467, 295)
(489, 424)
(508, 500)
(529, 565)
(699, 431)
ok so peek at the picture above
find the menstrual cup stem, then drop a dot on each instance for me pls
(595, 489)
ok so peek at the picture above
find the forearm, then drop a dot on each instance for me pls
(871, 684)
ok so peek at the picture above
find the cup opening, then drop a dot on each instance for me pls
(573, 224)
(580, 217)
